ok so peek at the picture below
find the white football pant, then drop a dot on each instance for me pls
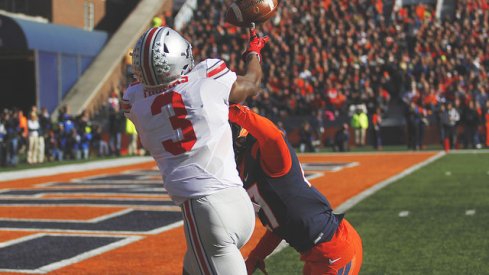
(216, 227)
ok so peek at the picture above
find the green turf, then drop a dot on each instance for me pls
(437, 237)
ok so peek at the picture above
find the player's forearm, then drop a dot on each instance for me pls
(248, 84)
(254, 72)
(266, 245)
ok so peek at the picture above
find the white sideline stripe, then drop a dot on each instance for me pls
(462, 151)
(110, 216)
(21, 240)
(69, 168)
(349, 154)
(314, 176)
(348, 165)
(469, 151)
(370, 191)
(165, 228)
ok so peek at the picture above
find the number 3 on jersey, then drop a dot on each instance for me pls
(178, 122)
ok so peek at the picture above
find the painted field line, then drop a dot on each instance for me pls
(370, 191)
(368, 153)
(469, 151)
(458, 151)
(69, 168)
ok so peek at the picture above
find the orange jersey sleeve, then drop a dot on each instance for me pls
(275, 156)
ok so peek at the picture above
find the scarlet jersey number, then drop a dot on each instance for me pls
(178, 122)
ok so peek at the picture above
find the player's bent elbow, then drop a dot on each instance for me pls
(242, 89)
(275, 141)
(277, 136)
(254, 91)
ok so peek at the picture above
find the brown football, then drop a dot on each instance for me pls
(243, 12)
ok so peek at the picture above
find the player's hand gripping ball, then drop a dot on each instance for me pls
(244, 12)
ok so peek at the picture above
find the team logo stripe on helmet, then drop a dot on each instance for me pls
(147, 57)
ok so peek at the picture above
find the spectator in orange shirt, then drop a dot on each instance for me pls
(430, 100)
(22, 123)
(420, 11)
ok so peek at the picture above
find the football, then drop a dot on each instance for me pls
(244, 12)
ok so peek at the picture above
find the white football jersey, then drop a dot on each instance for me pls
(186, 130)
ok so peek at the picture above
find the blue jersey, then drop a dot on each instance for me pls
(290, 207)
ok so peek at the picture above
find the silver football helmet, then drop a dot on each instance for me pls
(161, 56)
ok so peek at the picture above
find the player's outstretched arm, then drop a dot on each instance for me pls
(276, 160)
(249, 84)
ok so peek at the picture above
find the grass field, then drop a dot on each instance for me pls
(446, 230)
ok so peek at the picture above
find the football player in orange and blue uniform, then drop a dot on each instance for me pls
(289, 206)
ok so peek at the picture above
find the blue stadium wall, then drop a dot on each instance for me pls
(61, 54)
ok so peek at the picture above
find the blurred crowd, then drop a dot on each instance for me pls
(445, 76)
(323, 55)
(37, 137)
(333, 59)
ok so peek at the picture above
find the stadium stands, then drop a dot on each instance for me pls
(326, 57)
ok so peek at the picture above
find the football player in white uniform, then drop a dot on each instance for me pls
(181, 114)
